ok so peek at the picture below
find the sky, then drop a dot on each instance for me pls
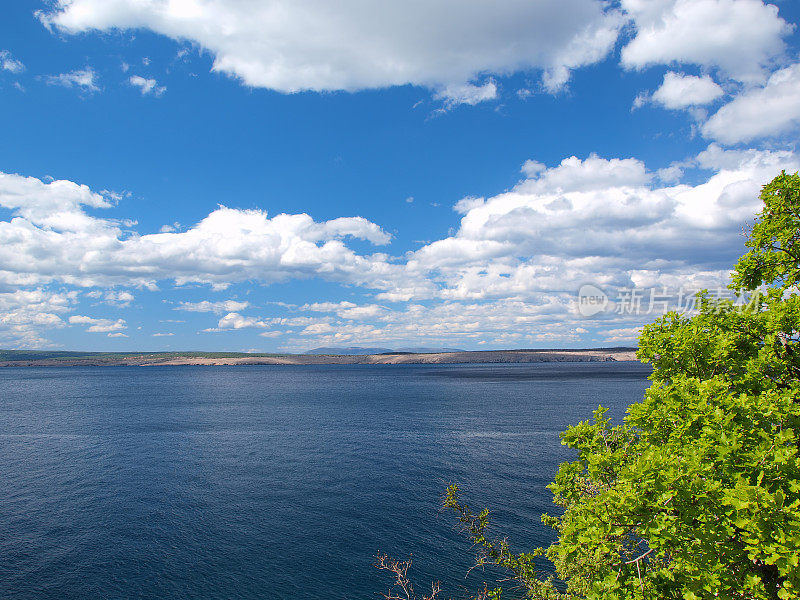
(270, 176)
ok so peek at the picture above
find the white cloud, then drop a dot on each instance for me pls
(627, 335)
(163, 334)
(271, 334)
(38, 300)
(671, 174)
(641, 99)
(84, 79)
(26, 315)
(352, 45)
(575, 175)
(467, 93)
(602, 221)
(525, 295)
(328, 306)
(234, 320)
(147, 86)
(98, 325)
(742, 38)
(52, 237)
(120, 299)
(9, 63)
(499, 322)
(771, 110)
(588, 47)
(170, 228)
(507, 276)
(679, 91)
(347, 310)
(214, 307)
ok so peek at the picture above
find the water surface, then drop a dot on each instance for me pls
(276, 482)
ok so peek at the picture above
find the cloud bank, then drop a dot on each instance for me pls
(760, 112)
(322, 46)
(53, 237)
(508, 275)
(741, 38)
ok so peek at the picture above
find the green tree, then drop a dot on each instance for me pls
(697, 493)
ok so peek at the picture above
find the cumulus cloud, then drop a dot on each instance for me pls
(679, 91)
(742, 38)
(223, 306)
(593, 173)
(170, 228)
(347, 310)
(603, 221)
(53, 237)
(501, 323)
(498, 322)
(234, 320)
(147, 86)
(83, 79)
(351, 45)
(759, 112)
(119, 299)
(25, 315)
(671, 174)
(38, 299)
(591, 45)
(9, 63)
(467, 93)
(627, 335)
(98, 325)
(507, 276)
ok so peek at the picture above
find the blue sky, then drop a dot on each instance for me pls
(254, 175)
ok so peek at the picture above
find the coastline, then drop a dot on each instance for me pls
(467, 357)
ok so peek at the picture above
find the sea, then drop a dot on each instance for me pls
(278, 482)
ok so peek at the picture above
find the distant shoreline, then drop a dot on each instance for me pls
(76, 359)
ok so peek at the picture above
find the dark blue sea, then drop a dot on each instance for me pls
(276, 482)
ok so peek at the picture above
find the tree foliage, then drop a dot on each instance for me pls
(697, 493)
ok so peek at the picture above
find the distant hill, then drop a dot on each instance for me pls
(61, 355)
(425, 350)
(354, 350)
(319, 356)
(358, 351)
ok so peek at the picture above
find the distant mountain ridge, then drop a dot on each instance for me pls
(355, 350)
(39, 358)
(358, 351)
